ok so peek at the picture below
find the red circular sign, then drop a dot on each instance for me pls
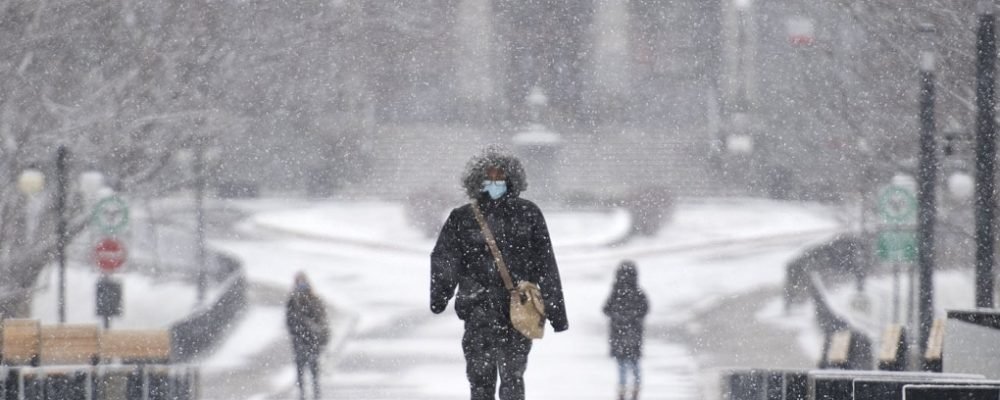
(109, 254)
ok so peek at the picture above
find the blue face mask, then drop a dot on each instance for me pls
(495, 188)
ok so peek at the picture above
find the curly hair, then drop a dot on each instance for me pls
(494, 156)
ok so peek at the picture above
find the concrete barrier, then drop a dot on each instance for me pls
(970, 345)
(764, 384)
(946, 392)
(841, 384)
(830, 384)
(883, 388)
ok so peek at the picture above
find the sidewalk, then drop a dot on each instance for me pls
(398, 349)
(731, 335)
(245, 375)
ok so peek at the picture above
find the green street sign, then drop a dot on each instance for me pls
(897, 206)
(897, 246)
(110, 214)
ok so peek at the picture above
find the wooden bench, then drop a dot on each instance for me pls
(935, 347)
(27, 342)
(20, 341)
(838, 355)
(136, 346)
(69, 344)
(892, 354)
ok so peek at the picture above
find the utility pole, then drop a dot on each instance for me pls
(61, 235)
(926, 177)
(199, 215)
(986, 54)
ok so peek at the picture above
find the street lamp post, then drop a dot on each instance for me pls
(199, 210)
(62, 236)
(986, 53)
(31, 181)
(926, 207)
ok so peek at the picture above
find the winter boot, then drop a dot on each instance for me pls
(621, 393)
(635, 393)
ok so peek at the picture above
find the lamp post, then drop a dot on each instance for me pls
(926, 207)
(961, 185)
(986, 53)
(31, 181)
(739, 141)
(199, 210)
(62, 235)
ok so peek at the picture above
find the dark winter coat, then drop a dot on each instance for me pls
(462, 259)
(626, 307)
(305, 315)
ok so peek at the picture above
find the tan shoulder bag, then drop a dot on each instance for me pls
(527, 310)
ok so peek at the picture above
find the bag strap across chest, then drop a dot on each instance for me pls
(492, 243)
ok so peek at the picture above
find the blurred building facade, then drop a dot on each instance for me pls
(627, 85)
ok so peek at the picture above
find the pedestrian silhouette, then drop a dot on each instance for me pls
(464, 258)
(305, 316)
(626, 308)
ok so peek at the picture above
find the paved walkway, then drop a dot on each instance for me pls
(400, 350)
(726, 335)
(254, 376)
(729, 335)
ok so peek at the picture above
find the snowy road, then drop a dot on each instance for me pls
(373, 269)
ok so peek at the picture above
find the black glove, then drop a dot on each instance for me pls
(438, 306)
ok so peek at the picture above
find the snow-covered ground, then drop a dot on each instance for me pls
(372, 267)
(373, 270)
(890, 301)
(143, 299)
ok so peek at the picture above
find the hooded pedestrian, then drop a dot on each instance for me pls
(306, 319)
(462, 259)
(627, 307)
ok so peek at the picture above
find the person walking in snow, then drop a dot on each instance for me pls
(493, 181)
(305, 316)
(627, 307)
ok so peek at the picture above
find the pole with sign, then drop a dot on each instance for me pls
(896, 242)
(111, 216)
(109, 255)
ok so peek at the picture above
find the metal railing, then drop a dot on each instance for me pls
(101, 382)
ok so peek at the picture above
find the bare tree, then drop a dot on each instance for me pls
(118, 83)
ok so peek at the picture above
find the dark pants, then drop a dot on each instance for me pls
(307, 361)
(491, 351)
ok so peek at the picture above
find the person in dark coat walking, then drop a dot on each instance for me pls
(627, 307)
(305, 315)
(461, 258)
